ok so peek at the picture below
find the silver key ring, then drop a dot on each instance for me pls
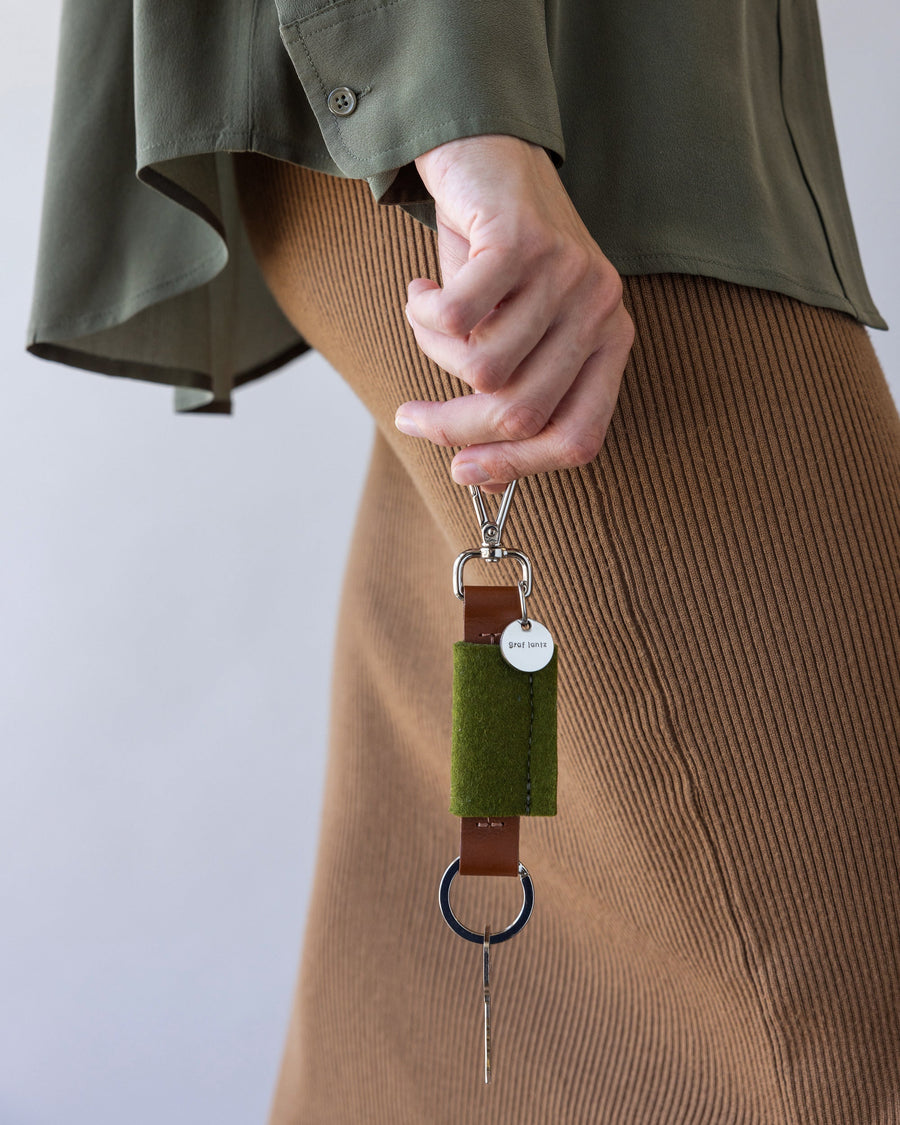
(471, 935)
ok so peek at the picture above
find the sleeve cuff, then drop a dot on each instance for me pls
(391, 79)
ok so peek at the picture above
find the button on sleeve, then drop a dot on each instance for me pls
(342, 101)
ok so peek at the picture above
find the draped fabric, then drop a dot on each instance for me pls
(694, 137)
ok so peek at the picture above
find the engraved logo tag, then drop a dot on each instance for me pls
(528, 648)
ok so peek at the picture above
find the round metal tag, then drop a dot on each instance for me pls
(528, 649)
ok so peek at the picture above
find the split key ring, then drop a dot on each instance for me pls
(472, 935)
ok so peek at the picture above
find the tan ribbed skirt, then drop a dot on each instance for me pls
(716, 937)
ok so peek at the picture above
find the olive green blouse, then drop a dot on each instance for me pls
(694, 136)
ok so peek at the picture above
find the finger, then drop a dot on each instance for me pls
(420, 285)
(519, 410)
(487, 358)
(487, 277)
(573, 436)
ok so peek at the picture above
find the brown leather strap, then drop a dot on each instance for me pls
(489, 845)
(489, 609)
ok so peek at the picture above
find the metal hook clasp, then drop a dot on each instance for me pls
(492, 530)
(491, 549)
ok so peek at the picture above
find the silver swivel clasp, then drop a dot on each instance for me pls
(492, 549)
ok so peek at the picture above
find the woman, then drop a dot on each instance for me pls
(668, 337)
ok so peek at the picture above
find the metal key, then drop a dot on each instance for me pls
(486, 940)
(486, 969)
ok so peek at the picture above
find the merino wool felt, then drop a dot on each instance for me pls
(716, 931)
(503, 760)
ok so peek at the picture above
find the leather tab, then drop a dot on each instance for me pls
(489, 609)
(489, 845)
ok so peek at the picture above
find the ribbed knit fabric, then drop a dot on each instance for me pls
(716, 936)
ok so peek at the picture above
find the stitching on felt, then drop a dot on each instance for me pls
(530, 737)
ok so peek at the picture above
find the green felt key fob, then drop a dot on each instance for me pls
(503, 750)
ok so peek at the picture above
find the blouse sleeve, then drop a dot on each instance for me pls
(391, 79)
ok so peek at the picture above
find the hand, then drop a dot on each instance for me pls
(530, 316)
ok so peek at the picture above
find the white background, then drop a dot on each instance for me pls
(163, 718)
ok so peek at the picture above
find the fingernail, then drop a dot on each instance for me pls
(407, 426)
(469, 472)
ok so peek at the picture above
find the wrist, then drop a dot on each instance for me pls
(433, 164)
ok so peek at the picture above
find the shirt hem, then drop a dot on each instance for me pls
(645, 262)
